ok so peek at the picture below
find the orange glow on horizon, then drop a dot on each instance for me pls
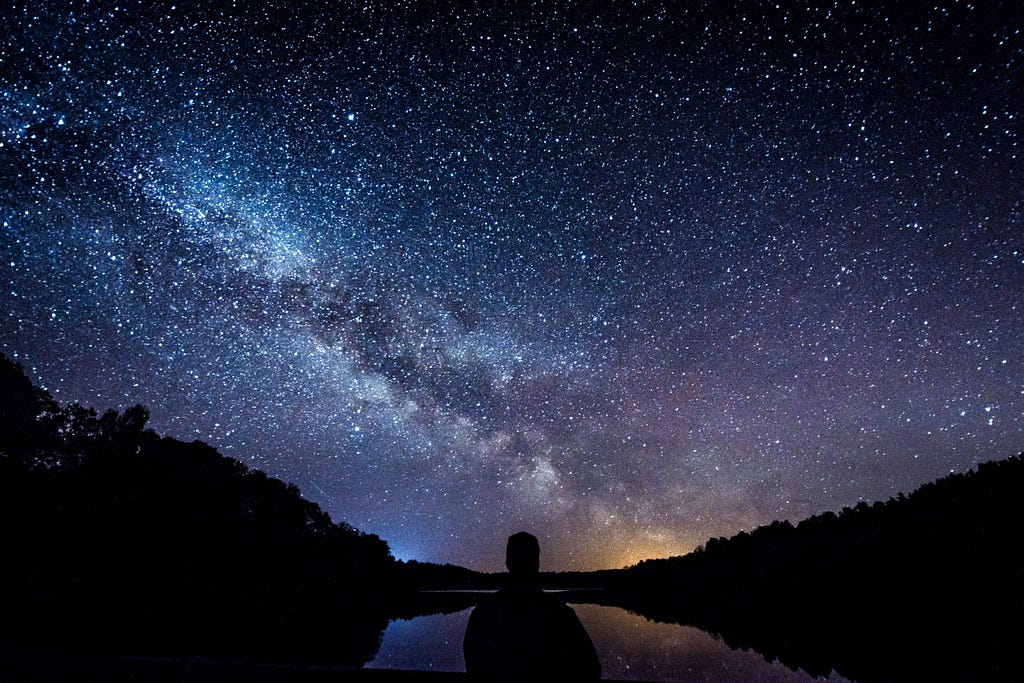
(629, 552)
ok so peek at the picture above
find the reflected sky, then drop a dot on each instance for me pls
(630, 648)
(430, 643)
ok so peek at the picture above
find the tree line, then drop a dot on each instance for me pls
(925, 586)
(118, 540)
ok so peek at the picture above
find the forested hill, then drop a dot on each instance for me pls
(117, 539)
(925, 584)
(963, 518)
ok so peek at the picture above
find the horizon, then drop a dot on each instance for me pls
(626, 278)
(544, 570)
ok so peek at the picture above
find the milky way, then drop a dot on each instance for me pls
(629, 278)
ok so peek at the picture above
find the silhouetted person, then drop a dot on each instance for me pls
(522, 633)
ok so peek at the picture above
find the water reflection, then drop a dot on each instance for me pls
(634, 648)
(630, 647)
(429, 643)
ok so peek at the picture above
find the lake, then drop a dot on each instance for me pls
(629, 646)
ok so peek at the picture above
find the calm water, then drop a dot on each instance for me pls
(629, 646)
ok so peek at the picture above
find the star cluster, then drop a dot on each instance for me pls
(629, 276)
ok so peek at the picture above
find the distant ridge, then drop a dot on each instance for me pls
(118, 541)
(922, 585)
(994, 477)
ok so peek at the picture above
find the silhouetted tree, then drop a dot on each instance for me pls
(924, 585)
(117, 540)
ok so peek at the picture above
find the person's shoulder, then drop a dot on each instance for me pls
(494, 602)
(515, 594)
(553, 600)
(517, 599)
(561, 606)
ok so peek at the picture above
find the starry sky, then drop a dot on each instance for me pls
(626, 275)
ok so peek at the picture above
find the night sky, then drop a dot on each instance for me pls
(628, 276)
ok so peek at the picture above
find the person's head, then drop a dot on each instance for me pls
(522, 554)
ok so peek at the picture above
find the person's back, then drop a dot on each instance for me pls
(522, 633)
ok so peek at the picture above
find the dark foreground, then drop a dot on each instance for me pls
(50, 668)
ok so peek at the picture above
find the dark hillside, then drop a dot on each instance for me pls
(116, 540)
(928, 585)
